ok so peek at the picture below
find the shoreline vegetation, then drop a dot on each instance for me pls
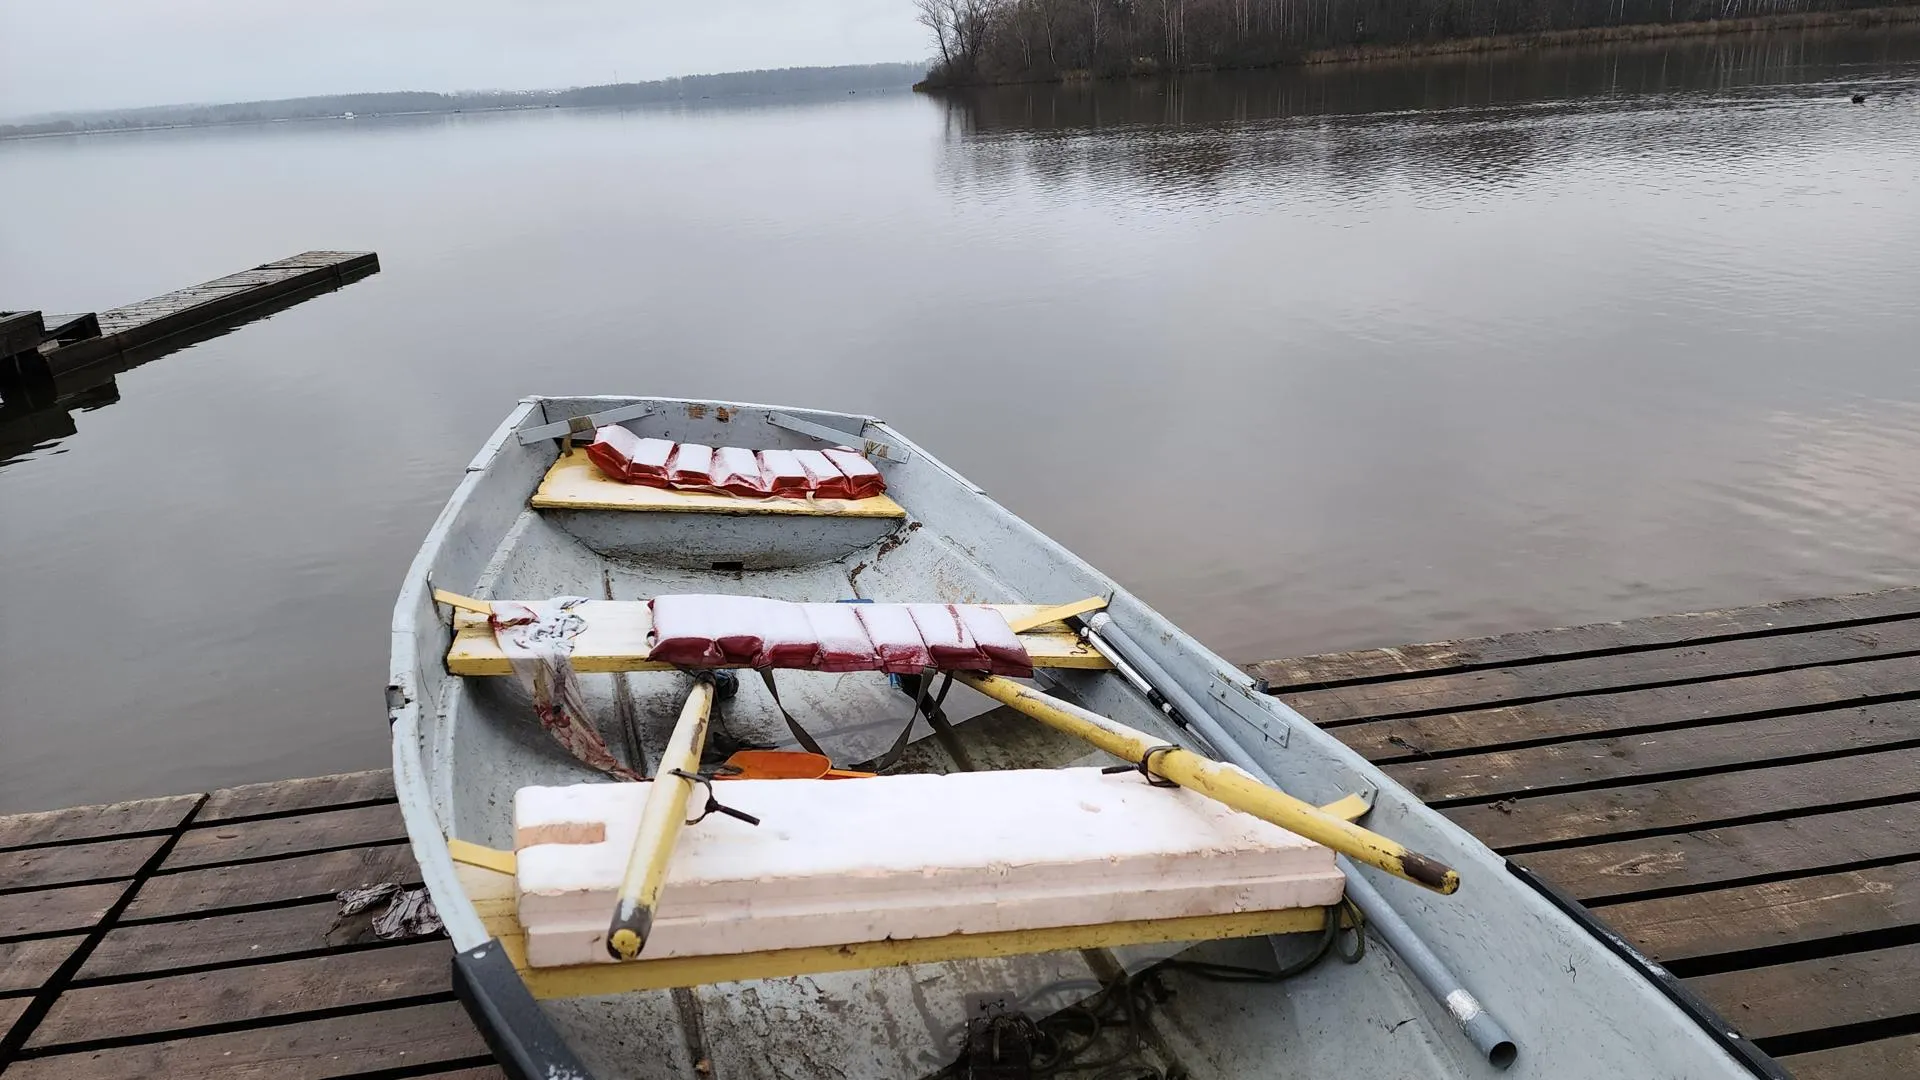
(736, 85)
(1002, 42)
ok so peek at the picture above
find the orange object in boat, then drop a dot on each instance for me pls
(785, 765)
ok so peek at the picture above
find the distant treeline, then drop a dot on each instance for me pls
(695, 87)
(1004, 41)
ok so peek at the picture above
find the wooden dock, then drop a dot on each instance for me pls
(196, 936)
(1736, 793)
(69, 343)
(53, 365)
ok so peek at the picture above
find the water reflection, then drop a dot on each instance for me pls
(1478, 120)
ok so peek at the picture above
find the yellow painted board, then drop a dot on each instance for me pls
(575, 483)
(618, 978)
(615, 639)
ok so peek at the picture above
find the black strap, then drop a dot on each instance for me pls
(921, 705)
(806, 739)
(713, 804)
(1145, 765)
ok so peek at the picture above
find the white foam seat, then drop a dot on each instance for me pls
(842, 862)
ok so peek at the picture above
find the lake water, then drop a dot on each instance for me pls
(1464, 346)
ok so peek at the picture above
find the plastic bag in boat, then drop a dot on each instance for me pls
(863, 480)
(844, 645)
(825, 481)
(896, 640)
(691, 465)
(537, 639)
(1005, 654)
(780, 470)
(948, 642)
(736, 470)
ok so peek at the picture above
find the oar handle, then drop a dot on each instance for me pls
(660, 823)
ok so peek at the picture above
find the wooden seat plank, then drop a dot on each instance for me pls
(1700, 800)
(1686, 661)
(1882, 1059)
(1811, 995)
(63, 864)
(95, 822)
(285, 796)
(27, 965)
(301, 877)
(615, 639)
(1774, 913)
(1644, 755)
(1804, 689)
(1701, 857)
(222, 843)
(309, 1050)
(250, 993)
(575, 483)
(49, 911)
(1539, 645)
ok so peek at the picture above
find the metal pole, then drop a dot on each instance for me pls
(1481, 1029)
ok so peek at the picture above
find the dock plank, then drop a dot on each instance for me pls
(27, 965)
(1689, 661)
(50, 911)
(1629, 758)
(1703, 857)
(1811, 995)
(417, 1035)
(1702, 800)
(286, 796)
(33, 868)
(1745, 697)
(245, 936)
(299, 878)
(246, 994)
(231, 842)
(1544, 645)
(10, 1011)
(95, 822)
(1771, 914)
(1879, 1060)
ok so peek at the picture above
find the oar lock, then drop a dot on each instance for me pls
(1145, 765)
(713, 805)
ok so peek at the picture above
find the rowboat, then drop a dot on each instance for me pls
(1115, 852)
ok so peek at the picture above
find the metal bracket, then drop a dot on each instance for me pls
(1270, 728)
(584, 425)
(836, 437)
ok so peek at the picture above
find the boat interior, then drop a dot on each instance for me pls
(534, 520)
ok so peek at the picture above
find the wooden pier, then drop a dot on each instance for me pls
(68, 343)
(197, 936)
(53, 365)
(1736, 793)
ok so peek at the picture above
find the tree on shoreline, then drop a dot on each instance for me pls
(984, 41)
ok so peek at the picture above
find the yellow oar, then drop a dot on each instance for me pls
(660, 822)
(1222, 782)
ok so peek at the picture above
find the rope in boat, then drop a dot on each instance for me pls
(1056, 1045)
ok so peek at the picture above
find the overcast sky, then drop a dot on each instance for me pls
(57, 55)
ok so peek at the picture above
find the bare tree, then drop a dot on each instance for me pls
(933, 16)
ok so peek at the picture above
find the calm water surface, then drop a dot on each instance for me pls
(1465, 346)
